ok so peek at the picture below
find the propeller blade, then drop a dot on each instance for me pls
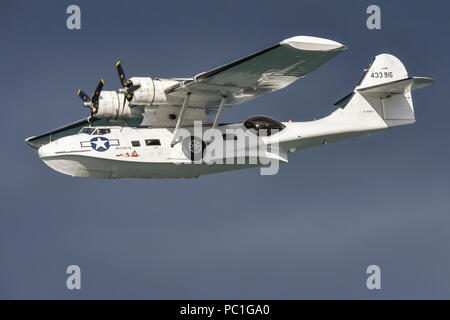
(97, 91)
(123, 79)
(83, 96)
(129, 93)
(133, 88)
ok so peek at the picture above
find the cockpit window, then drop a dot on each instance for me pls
(267, 124)
(87, 130)
(95, 131)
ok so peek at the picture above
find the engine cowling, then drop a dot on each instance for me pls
(151, 91)
(111, 106)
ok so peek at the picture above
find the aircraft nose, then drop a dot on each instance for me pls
(45, 151)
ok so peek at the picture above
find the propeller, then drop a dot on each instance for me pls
(128, 87)
(92, 103)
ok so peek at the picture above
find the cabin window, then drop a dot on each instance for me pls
(135, 143)
(152, 142)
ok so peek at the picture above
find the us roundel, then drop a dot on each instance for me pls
(100, 144)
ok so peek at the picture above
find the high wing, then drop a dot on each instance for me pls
(262, 72)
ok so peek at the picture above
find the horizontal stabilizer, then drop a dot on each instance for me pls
(342, 102)
(398, 86)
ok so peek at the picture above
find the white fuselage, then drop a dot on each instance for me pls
(125, 153)
(130, 152)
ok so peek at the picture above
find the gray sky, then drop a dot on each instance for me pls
(308, 232)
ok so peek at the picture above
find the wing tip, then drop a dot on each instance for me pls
(424, 79)
(30, 143)
(308, 43)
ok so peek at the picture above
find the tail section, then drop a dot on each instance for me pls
(383, 96)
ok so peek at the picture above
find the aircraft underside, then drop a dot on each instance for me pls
(90, 167)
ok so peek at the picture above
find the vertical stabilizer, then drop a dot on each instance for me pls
(383, 96)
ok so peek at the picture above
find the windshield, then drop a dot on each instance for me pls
(87, 130)
(95, 131)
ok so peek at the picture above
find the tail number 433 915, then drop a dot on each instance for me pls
(378, 75)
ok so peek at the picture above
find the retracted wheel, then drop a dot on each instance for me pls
(193, 148)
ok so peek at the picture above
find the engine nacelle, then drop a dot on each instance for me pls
(111, 106)
(151, 91)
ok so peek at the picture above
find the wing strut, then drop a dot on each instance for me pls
(180, 119)
(219, 112)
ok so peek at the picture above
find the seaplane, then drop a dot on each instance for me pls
(155, 127)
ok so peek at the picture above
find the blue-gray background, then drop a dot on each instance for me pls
(308, 232)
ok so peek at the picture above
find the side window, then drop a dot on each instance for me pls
(104, 131)
(152, 142)
(135, 143)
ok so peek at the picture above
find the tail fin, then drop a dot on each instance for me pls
(386, 89)
(383, 68)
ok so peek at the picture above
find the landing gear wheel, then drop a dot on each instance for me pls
(193, 148)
